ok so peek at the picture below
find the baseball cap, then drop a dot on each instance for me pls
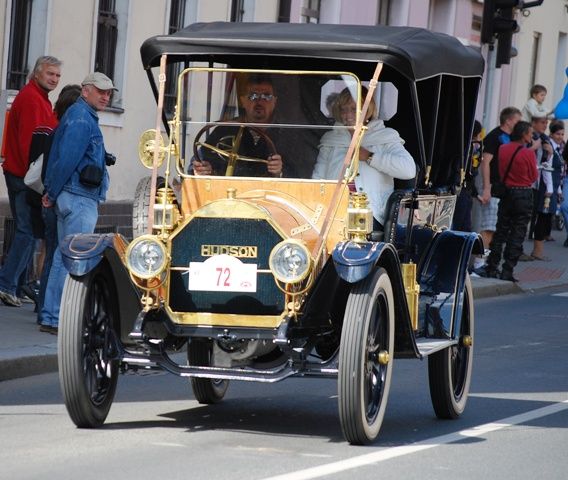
(99, 80)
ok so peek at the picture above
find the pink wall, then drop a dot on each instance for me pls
(366, 13)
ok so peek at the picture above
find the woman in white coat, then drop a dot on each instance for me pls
(382, 154)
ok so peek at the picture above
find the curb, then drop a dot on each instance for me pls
(13, 368)
(489, 287)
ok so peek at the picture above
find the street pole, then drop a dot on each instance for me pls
(488, 99)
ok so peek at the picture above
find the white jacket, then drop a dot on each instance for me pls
(390, 160)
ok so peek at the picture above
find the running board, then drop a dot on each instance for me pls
(428, 346)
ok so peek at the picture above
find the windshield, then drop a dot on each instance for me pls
(259, 123)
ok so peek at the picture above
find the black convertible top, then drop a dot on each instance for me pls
(416, 53)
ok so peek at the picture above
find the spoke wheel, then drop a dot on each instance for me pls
(205, 390)
(366, 358)
(449, 370)
(88, 347)
(227, 148)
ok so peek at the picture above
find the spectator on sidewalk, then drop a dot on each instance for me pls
(76, 180)
(462, 220)
(541, 145)
(564, 205)
(535, 104)
(31, 108)
(489, 170)
(517, 168)
(556, 136)
(46, 218)
(550, 166)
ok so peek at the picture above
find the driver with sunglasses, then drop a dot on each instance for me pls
(259, 103)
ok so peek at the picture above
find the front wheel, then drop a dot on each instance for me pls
(449, 370)
(366, 358)
(206, 390)
(88, 347)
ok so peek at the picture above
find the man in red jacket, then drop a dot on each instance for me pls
(31, 109)
(517, 169)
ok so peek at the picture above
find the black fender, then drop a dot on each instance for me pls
(354, 261)
(81, 253)
(441, 276)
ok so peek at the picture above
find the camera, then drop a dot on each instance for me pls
(110, 159)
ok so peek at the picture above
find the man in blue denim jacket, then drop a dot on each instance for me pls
(76, 180)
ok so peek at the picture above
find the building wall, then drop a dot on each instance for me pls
(551, 20)
(70, 35)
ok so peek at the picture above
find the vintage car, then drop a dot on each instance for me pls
(262, 277)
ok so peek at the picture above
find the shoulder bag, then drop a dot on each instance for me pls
(32, 179)
(499, 189)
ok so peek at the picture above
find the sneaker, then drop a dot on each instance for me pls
(48, 329)
(25, 299)
(10, 299)
(487, 272)
(478, 262)
(28, 294)
(508, 276)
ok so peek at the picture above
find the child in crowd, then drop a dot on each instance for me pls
(534, 106)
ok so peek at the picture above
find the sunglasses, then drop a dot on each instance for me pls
(253, 97)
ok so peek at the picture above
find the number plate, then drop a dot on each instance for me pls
(222, 273)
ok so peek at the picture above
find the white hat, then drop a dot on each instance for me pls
(99, 80)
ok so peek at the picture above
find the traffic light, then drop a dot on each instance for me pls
(505, 26)
(499, 23)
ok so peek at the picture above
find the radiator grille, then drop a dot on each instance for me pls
(186, 247)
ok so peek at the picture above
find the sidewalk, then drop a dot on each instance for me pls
(24, 350)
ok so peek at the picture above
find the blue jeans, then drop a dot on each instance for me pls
(18, 258)
(50, 224)
(564, 206)
(75, 214)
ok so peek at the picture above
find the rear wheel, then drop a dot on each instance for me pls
(141, 204)
(366, 358)
(449, 370)
(205, 390)
(88, 347)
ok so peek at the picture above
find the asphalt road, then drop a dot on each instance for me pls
(515, 425)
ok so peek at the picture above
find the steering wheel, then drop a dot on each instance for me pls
(227, 147)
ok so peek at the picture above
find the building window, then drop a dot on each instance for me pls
(559, 74)
(20, 22)
(476, 24)
(284, 11)
(384, 12)
(311, 11)
(237, 10)
(534, 58)
(107, 35)
(111, 44)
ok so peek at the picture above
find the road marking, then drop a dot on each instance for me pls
(388, 453)
(563, 294)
